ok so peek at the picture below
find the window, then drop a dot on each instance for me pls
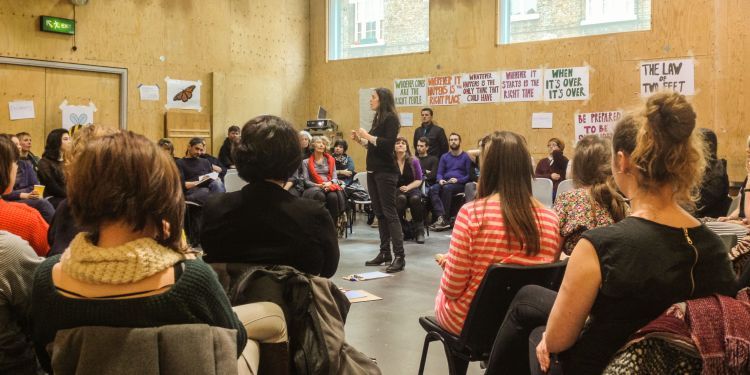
(522, 10)
(368, 15)
(532, 20)
(603, 11)
(367, 28)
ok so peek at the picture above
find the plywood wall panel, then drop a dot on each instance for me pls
(462, 39)
(264, 39)
(80, 88)
(23, 83)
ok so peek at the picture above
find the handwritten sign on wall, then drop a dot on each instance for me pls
(521, 85)
(566, 83)
(410, 92)
(595, 123)
(677, 75)
(481, 87)
(444, 90)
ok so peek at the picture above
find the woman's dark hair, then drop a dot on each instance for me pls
(342, 143)
(386, 108)
(407, 155)
(124, 176)
(268, 149)
(662, 145)
(54, 143)
(506, 170)
(592, 167)
(711, 143)
(8, 156)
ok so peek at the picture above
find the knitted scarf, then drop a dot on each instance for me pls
(127, 263)
(331, 169)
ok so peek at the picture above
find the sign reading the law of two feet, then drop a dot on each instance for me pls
(676, 75)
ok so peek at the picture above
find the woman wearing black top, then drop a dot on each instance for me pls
(622, 276)
(382, 177)
(51, 166)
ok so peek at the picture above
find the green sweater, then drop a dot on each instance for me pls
(196, 297)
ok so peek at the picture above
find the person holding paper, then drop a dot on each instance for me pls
(27, 189)
(382, 177)
(434, 134)
(200, 180)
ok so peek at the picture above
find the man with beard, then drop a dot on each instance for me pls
(194, 170)
(435, 135)
(452, 175)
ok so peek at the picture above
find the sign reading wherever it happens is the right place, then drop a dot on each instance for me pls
(566, 83)
(596, 123)
(677, 75)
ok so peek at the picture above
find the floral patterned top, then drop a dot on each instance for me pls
(578, 213)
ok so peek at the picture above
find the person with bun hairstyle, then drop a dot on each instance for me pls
(622, 276)
(595, 201)
(382, 177)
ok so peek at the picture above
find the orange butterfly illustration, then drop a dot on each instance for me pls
(185, 94)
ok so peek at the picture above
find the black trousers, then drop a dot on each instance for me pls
(413, 200)
(382, 188)
(514, 349)
(335, 201)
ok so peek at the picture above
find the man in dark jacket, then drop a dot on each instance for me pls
(225, 152)
(435, 135)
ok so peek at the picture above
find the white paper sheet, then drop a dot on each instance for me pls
(149, 92)
(541, 120)
(407, 119)
(21, 109)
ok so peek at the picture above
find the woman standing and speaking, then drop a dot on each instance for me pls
(382, 177)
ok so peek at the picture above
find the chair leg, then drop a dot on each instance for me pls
(427, 340)
(457, 366)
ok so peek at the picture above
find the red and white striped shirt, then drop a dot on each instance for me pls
(479, 239)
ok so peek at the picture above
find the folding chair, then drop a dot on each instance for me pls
(500, 284)
(542, 190)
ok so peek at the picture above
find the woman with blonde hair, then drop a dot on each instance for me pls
(321, 181)
(622, 276)
(595, 201)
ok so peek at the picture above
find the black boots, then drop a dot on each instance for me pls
(381, 259)
(397, 265)
(419, 232)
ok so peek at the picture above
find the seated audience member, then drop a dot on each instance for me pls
(63, 227)
(595, 201)
(454, 171)
(622, 276)
(505, 224)
(51, 166)
(344, 163)
(168, 147)
(320, 180)
(23, 190)
(18, 218)
(17, 265)
(554, 165)
(429, 163)
(305, 143)
(192, 167)
(216, 165)
(225, 152)
(263, 223)
(713, 198)
(132, 268)
(26, 154)
(409, 181)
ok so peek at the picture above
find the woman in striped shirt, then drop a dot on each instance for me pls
(505, 224)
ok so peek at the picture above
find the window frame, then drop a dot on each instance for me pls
(608, 18)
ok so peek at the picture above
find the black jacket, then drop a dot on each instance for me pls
(264, 224)
(380, 158)
(225, 153)
(436, 136)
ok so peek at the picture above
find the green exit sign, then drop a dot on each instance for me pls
(58, 25)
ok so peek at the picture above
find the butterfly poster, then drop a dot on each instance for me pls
(183, 94)
(73, 115)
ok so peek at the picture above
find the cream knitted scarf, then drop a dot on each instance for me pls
(128, 263)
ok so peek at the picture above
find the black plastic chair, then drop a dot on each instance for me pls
(500, 284)
(193, 221)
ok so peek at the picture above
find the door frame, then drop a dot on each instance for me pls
(121, 72)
